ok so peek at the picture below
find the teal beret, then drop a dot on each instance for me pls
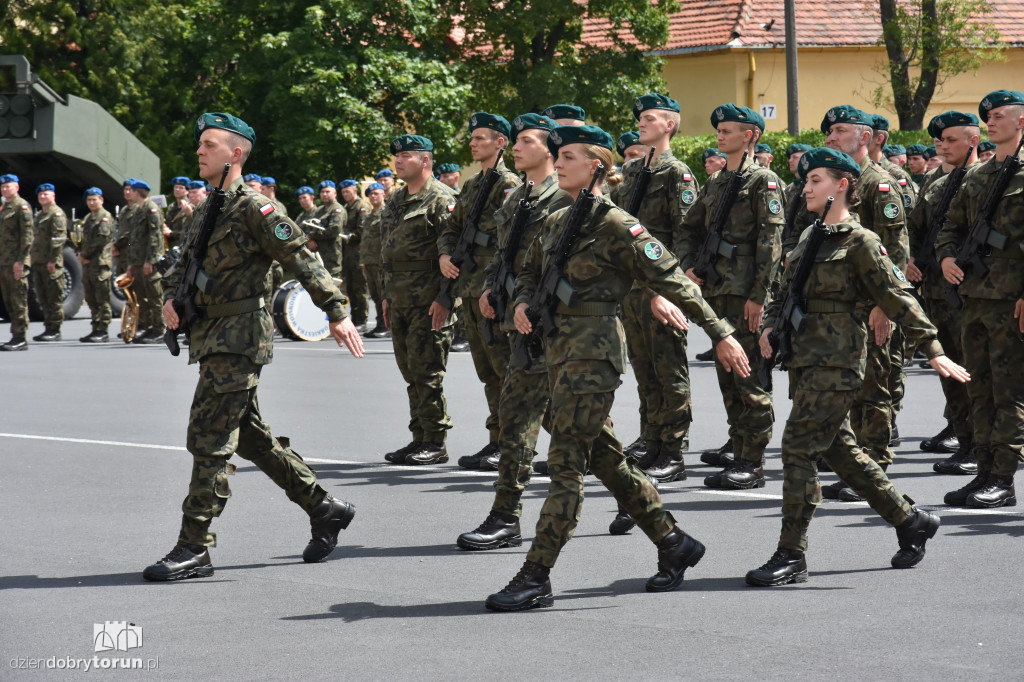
(797, 148)
(563, 135)
(823, 157)
(498, 124)
(627, 140)
(950, 119)
(180, 180)
(762, 149)
(654, 101)
(372, 186)
(94, 192)
(445, 168)
(531, 122)
(48, 187)
(10, 177)
(916, 150)
(197, 184)
(844, 114)
(565, 111)
(891, 150)
(268, 180)
(731, 112)
(409, 143)
(878, 122)
(139, 184)
(225, 122)
(986, 146)
(252, 177)
(930, 152)
(999, 98)
(305, 189)
(713, 151)
(347, 183)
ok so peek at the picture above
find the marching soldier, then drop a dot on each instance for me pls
(450, 174)
(932, 158)
(916, 164)
(145, 247)
(177, 220)
(566, 114)
(714, 161)
(327, 239)
(986, 150)
(763, 155)
(94, 255)
(629, 147)
(897, 155)
(15, 259)
(356, 209)
(50, 234)
(369, 256)
(879, 136)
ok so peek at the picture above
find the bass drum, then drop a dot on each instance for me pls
(296, 316)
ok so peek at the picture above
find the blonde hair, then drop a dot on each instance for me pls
(604, 155)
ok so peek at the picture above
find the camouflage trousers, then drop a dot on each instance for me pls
(491, 362)
(897, 374)
(748, 404)
(657, 353)
(422, 357)
(355, 287)
(819, 425)
(373, 285)
(97, 295)
(582, 392)
(225, 419)
(948, 320)
(15, 295)
(150, 293)
(50, 292)
(994, 356)
(871, 415)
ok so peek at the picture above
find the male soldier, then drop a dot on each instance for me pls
(254, 181)
(270, 192)
(993, 311)
(629, 147)
(489, 134)
(351, 272)
(714, 161)
(411, 222)
(232, 341)
(986, 150)
(753, 228)
(657, 352)
(879, 136)
(566, 114)
(932, 158)
(763, 155)
(15, 259)
(177, 220)
(94, 255)
(450, 174)
(916, 163)
(50, 233)
(386, 178)
(306, 197)
(327, 239)
(196, 192)
(897, 154)
(122, 229)
(145, 247)
(959, 132)
(369, 257)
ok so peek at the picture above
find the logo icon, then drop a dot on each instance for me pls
(556, 138)
(116, 635)
(283, 231)
(891, 210)
(653, 251)
(519, 123)
(832, 115)
(720, 114)
(688, 196)
(775, 206)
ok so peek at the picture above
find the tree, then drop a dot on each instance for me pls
(927, 42)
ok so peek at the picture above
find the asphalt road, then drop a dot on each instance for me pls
(94, 471)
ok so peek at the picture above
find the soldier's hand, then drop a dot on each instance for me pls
(522, 322)
(387, 316)
(913, 273)
(950, 271)
(186, 207)
(733, 357)
(114, 251)
(669, 313)
(697, 280)
(765, 344)
(51, 268)
(881, 325)
(448, 268)
(344, 332)
(19, 270)
(752, 313)
(311, 243)
(485, 306)
(949, 369)
(167, 230)
(131, 271)
(147, 268)
(1018, 313)
(170, 315)
(438, 315)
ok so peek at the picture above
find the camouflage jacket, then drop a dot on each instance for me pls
(49, 235)
(369, 247)
(920, 221)
(280, 207)
(907, 186)
(670, 194)
(612, 251)
(354, 215)
(178, 221)
(881, 210)
(851, 269)
(123, 231)
(16, 233)
(248, 236)
(754, 226)
(410, 226)
(146, 241)
(930, 177)
(306, 215)
(328, 238)
(548, 197)
(1005, 279)
(97, 238)
(471, 284)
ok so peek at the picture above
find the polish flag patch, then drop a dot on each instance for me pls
(267, 210)
(636, 230)
(509, 190)
(903, 182)
(337, 210)
(451, 207)
(154, 210)
(884, 252)
(772, 184)
(687, 177)
(883, 187)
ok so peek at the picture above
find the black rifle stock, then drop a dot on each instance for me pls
(983, 236)
(714, 246)
(636, 199)
(462, 254)
(192, 258)
(924, 256)
(554, 287)
(504, 278)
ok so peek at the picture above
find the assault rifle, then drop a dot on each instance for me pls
(924, 256)
(462, 255)
(505, 278)
(714, 246)
(554, 287)
(983, 237)
(192, 262)
(636, 199)
(791, 313)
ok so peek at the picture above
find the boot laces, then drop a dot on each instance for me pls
(178, 553)
(778, 560)
(524, 575)
(490, 521)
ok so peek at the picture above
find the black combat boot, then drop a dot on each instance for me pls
(151, 337)
(722, 457)
(894, 436)
(529, 589)
(623, 522)
(637, 448)
(961, 463)
(786, 566)
(958, 498)
(16, 343)
(95, 336)
(398, 456)
(676, 552)
(494, 533)
(840, 491)
(707, 355)
(427, 453)
(997, 492)
(668, 467)
(473, 461)
(648, 456)
(48, 335)
(183, 561)
(919, 527)
(540, 467)
(460, 345)
(943, 442)
(741, 475)
(326, 520)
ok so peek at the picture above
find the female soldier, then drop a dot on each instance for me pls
(586, 356)
(827, 368)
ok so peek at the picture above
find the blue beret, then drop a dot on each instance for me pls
(999, 98)
(797, 148)
(878, 122)
(252, 177)
(46, 187)
(326, 183)
(305, 189)
(386, 173)
(627, 140)
(950, 119)
(268, 180)
(845, 114)
(986, 146)
(713, 151)
(347, 183)
(411, 143)
(196, 184)
(891, 150)
(762, 149)
(570, 111)
(94, 192)
(916, 150)
(127, 182)
(498, 124)
(823, 157)
(180, 180)
(531, 122)
(373, 186)
(563, 135)
(731, 112)
(224, 121)
(447, 168)
(654, 101)
(139, 184)
(10, 177)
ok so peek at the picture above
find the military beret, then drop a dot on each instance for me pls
(878, 122)
(844, 113)
(140, 184)
(731, 112)
(482, 119)
(180, 180)
(713, 151)
(930, 152)
(446, 168)
(986, 146)
(93, 192)
(269, 181)
(305, 189)
(823, 157)
(225, 122)
(563, 135)
(347, 183)
(208, 187)
(999, 98)
(326, 183)
(386, 173)
(654, 101)
(372, 186)
(916, 150)
(797, 148)
(252, 177)
(627, 140)
(950, 119)
(566, 111)
(762, 149)
(46, 187)
(891, 150)
(127, 182)
(531, 122)
(10, 177)
(197, 184)
(410, 143)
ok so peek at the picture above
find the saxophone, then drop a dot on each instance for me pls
(130, 312)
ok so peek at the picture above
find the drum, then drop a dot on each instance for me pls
(296, 316)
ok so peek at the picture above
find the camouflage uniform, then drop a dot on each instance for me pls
(123, 236)
(410, 226)
(352, 272)
(146, 246)
(657, 352)
(828, 364)
(993, 348)
(277, 273)
(51, 232)
(231, 343)
(586, 358)
(369, 257)
(754, 225)
(178, 221)
(97, 237)
(328, 237)
(15, 247)
(907, 186)
(491, 362)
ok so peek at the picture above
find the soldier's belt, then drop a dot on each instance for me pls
(745, 249)
(246, 305)
(823, 306)
(589, 309)
(412, 266)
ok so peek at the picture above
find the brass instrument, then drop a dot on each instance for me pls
(130, 312)
(75, 233)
